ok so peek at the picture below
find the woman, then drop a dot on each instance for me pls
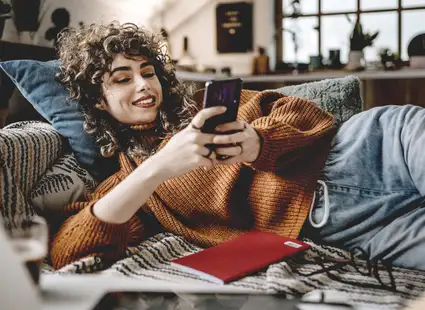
(169, 180)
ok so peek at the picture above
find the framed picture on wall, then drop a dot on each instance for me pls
(234, 27)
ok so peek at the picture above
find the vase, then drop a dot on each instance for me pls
(355, 60)
(26, 14)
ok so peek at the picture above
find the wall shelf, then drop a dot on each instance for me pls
(378, 88)
(307, 77)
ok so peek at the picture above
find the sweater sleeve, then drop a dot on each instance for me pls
(83, 234)
(287, 126)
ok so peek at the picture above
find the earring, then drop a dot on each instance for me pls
(99, 106)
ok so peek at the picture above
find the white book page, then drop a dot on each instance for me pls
(198, 273)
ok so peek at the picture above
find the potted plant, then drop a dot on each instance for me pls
(27, 16)
(389, 60)
(358, 41)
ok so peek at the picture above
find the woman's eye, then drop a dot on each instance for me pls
(123, 81)
(148, 75)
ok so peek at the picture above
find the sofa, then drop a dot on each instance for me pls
(44, 166)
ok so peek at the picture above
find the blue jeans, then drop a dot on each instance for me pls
(375, 175)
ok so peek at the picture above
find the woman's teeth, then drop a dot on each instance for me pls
(145, 101)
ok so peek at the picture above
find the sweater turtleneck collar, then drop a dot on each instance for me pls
(146, 127)
(149, 135)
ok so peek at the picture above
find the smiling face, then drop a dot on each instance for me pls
(132, 91)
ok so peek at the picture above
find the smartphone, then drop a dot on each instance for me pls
(222, 93)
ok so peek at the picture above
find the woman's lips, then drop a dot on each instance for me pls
(145, 102)
(144, 106)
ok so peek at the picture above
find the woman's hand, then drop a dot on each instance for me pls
(242, 146)
(186, 150)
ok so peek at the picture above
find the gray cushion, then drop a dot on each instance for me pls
(27, 150)
(36, 174)
(37, 82)
(64, 183)
(340, 97)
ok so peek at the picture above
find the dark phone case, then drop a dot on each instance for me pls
(222, 93)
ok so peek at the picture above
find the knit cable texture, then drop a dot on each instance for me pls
(208, 207)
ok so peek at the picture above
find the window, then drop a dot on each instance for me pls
(331, 6)
(379, 4)
(304, 34)
(410, 3)
(410, 21)
(387, 37)
(337, 31)
(306, 6)
(324, 25)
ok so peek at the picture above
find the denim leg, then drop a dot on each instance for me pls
(375, 174)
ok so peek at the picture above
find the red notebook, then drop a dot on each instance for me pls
(236, 258)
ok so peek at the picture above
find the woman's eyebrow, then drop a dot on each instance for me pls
(124, 68)
(127, 68)
(146, 64)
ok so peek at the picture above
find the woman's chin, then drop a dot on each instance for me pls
(144, 121)
(147, 118)
(139, 117)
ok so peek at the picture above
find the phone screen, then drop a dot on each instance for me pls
(222, 93)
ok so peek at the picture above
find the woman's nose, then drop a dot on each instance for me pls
(141, 83)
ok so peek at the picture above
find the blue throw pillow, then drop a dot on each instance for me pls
(36, 80)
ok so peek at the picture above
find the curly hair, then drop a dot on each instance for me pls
(86, 54)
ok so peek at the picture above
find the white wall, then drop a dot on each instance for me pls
(200, 28)
(201, 31)
(88, 11)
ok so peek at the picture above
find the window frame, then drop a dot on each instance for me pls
(280, 15)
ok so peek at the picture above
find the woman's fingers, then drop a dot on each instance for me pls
(238, 137)
(237, 141)
(207, 152)
(230, 160)
(200, 118)
(233, 126)
(208, 159)
(230, 150)
(203, 138)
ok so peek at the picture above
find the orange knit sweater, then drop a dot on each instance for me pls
(207, 207)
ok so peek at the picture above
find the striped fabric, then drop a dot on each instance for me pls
(27, 150)
(151, 260)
